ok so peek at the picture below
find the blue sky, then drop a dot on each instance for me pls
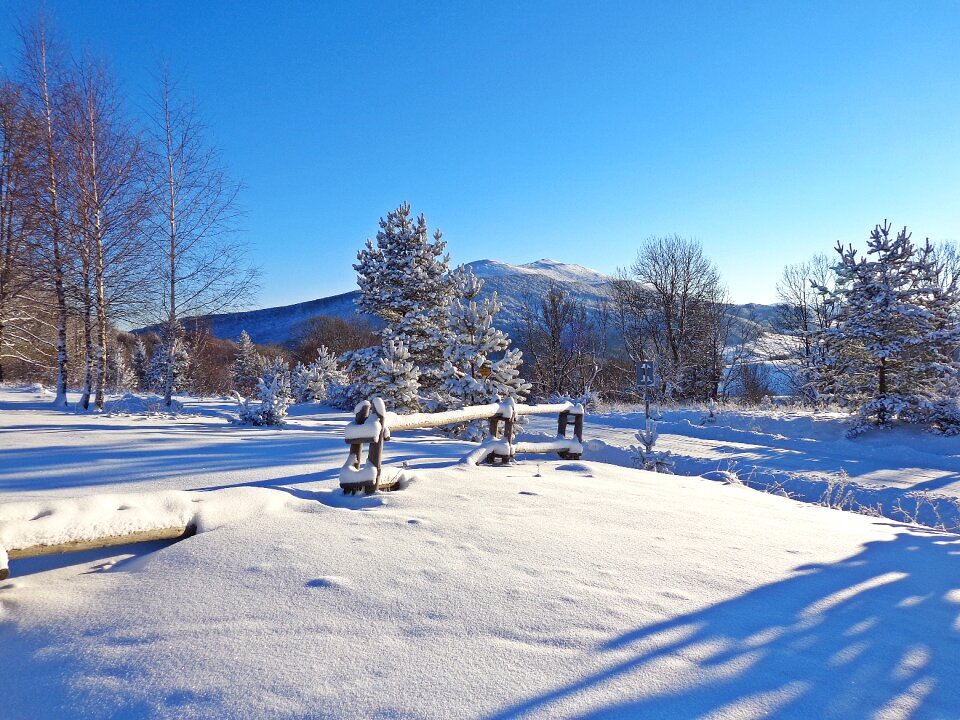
(767, 130)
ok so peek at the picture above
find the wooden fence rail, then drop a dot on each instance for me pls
(179, 532)
(373, 424)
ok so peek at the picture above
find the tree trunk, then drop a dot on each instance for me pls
(53, 220)
(87, 333)
(61, 398)
(101, 329)
(172, 220)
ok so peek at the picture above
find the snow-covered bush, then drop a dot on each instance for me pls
(644, 456)
(273, 393)
(305, 384)
(589, 399)
(322, 380)
(713, 411)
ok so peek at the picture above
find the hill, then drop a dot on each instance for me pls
(516, 287)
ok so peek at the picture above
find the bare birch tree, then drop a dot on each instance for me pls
(43, 68)
(195, 212)
(23, 323)
(111, 205)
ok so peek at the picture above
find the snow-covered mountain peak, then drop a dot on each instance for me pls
(552, 269)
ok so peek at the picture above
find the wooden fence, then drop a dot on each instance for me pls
(373, 424)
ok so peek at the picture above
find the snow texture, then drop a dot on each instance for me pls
(539, 590)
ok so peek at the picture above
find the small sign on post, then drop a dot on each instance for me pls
(645, 374)
(645, 381)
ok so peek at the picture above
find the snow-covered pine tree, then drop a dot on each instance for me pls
(480, 366)
(331, 377)
(405, 280)
(305, 383)
(891, 347)
(319, 381)
(393, 376)
(119, 375)
(358, 367)
(156, 379)
(273, 392)
(248, 366)
(140, 364)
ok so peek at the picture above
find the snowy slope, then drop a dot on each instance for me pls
(552, 269)
(277, 325)
(514, 284)
(541, 590)
(516, 287)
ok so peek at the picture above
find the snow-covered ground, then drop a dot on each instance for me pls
(899, 473)
(542, 589)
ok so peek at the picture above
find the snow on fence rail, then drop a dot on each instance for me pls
(178, 532)
(373, 424)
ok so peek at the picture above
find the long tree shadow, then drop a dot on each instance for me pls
(876, 635)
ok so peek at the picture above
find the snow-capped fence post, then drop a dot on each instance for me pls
(372, 425)
(563, 420)
(368, 428)
(505, 414)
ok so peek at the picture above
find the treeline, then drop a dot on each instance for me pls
(669, 308)
(108, 217)
(878, 333)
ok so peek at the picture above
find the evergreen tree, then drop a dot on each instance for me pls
(304, 383)
(358, 367)
(274, 394)
(320, 380)
(405, 279)
(119, 375)
(331, 378)
(179, 378)
(393, 376)
(472, 375)
(890, 352)
(140, 364)
(248, 366)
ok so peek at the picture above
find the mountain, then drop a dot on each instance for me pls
(516, 286)
(519, 285)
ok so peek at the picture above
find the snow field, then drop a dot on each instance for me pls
(542, 589)
(482, 592)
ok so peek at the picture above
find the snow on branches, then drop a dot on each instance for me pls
(473, 372)
(890, 353)
(273, 392)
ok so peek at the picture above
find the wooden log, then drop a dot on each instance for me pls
(375, 456)
(562, 424)
(171, 533)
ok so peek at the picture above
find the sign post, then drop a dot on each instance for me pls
(645, 380)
